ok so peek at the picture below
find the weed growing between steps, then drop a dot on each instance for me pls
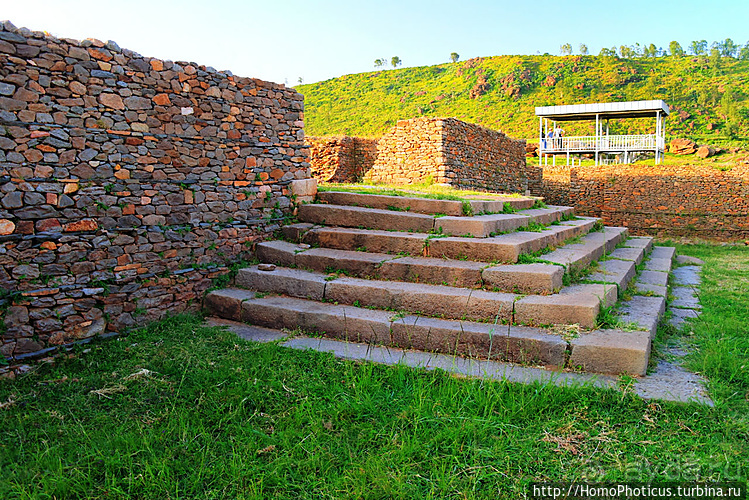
(180, 410)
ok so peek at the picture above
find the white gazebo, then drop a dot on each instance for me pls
(626, 146)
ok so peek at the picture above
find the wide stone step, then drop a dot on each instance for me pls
(482, 226)
(424, 205)
(578, 305)
(370, 240)
(506, 248)
(365, 218)
(479, 226)
(534, 278)
(481, 340)
(614, 271)
(591, 247)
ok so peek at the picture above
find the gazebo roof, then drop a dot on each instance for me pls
(579, 112)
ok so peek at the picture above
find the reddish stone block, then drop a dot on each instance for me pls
(25, 227)
(81, 225)
(162, 99)
(98, 54)
(48, 225)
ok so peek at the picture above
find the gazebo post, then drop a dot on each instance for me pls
(597, 139)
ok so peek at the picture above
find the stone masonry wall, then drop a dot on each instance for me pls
(479, 158)
(662, 200)
(341, 158)
(410, 152)
(555, 186)
(127, 184)
(452, 152)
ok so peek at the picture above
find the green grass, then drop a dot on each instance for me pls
(218, 417)
(426, 189)
(699, 90)
(721, 334)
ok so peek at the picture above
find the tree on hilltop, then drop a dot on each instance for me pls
(395, 61)
(379, 63)
(727, 48)
(454, 57)
(675, 48)
(583, 49)
(744, 52)
(698, 47)
(608, 52)
(565, 49)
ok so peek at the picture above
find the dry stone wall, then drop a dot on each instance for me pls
(341, 158)
(127, 184)
(662, 200)
(410, 152)
(453, 152)
(479, 158)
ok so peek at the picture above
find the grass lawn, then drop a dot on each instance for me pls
(425, 189)
(218, 417)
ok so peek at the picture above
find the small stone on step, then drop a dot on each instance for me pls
(266, 267)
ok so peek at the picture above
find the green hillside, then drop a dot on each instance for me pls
(708, 95)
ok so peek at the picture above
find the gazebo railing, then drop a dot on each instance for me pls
(602, 143)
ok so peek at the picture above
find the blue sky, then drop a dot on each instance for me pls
(282, 40)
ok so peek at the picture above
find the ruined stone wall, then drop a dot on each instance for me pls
(475, 157)
(127, 183)
(673, 200)
(664, 200)
(555, 186)
(410, 152)
(453, 152)
(341, 158)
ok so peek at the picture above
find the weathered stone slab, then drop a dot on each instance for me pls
(687, 276)
(338, 215)
(432, 270)
(663, 253)
(506, 249)
(481, 340)
(653, 278)
(546, 216)
(644, 242)
(679, 316)
(611, 351)
(685, 297)
(296, 232)
(227, 303)
(369, 240)
(687, 259)
(575, 256)
(278, 252)
(609, 237)
(294, 282)
(497, 205)
(430, 300)
(344, 322)
(384, 202)
(619, 272)
(606, 294)
(628, 253)
(662, 265)
(524, 278)
(480, 226)
(564, 309)
(644, 312)
(656, 290)
(326, 259)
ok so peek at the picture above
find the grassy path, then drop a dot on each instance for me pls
(178, 410)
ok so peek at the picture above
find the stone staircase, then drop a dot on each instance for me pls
(512, 283)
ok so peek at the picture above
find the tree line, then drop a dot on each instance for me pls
(725, 48)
